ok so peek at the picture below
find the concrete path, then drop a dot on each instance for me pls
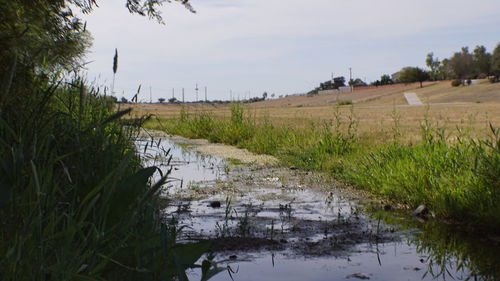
(412, 99)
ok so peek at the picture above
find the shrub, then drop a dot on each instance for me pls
(456, 82)
(344, 102)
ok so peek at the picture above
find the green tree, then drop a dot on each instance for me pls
(462, 64)
(445, 71)
(357, 82)
(413, 74)
(482, 61)
(434, 66)
(386, 80)
(338, 82)
(495, 62)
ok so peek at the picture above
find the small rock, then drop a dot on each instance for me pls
(387, 207)
(293, 168)
(421, 211)
(215, 204)
(358, 276)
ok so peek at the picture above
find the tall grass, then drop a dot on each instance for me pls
(75, 201)
(457, 179)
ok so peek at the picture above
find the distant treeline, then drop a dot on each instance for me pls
(461, 66)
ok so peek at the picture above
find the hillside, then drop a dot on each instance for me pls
(432, 92)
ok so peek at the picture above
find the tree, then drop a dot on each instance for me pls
(386, 80)
(357, 82)
(264, 95)
(338, 82)
(149, 8)
(413, 74)
(434, 66)
(495, 62)
(445, 71)
(462, 65)
(161, 100)
(124, 100)
(172, 100)
(482, 61)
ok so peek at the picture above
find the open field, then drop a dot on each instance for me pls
(377, 112)
(444, 155)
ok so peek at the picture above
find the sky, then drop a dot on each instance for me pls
(242, 48)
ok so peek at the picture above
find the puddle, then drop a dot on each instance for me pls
(188, 167)
(269, 223)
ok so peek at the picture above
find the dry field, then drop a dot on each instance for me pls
(375, 111)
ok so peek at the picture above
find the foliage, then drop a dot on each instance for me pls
(434, 66)
(333, 84)
(461, 63)
(338, 82)
(495, 62)
(357, 82)
(412, 74)
(482, 61)
(344, 102)
(386, 80)
(75, 202)
(456, 82)
(458, 179)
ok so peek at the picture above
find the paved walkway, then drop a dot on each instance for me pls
(412, 99)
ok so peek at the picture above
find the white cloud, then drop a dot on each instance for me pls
(239, 36)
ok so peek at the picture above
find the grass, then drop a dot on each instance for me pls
(457, 177)
(75, 201)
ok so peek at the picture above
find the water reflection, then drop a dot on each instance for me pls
(187, 166)
(436, 252)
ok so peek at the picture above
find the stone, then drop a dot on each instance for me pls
(215, 204)
(358, 276)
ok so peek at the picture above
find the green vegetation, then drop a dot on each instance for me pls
(457, 179)
(75, 201)
(344, 102)
(465, 65)
(412, 74)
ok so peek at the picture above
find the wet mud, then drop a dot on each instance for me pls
(268, 222)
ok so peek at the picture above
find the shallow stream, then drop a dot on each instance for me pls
(280, 223)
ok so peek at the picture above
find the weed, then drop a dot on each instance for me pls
(458, 179)
(344, 102)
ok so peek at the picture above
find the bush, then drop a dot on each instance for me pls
(456, 82)
(344, 102)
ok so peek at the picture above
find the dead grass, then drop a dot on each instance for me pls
(376, 112)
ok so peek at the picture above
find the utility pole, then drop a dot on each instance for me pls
(173, 92)
(206, 100)
(350, 79)
(150, 94)
(231, 95)
(196, 90)
(182, 95)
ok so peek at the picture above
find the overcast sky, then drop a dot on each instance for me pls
(282, 47)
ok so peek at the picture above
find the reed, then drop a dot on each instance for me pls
(457, 178)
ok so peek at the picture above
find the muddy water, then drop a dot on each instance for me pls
(277, 223)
